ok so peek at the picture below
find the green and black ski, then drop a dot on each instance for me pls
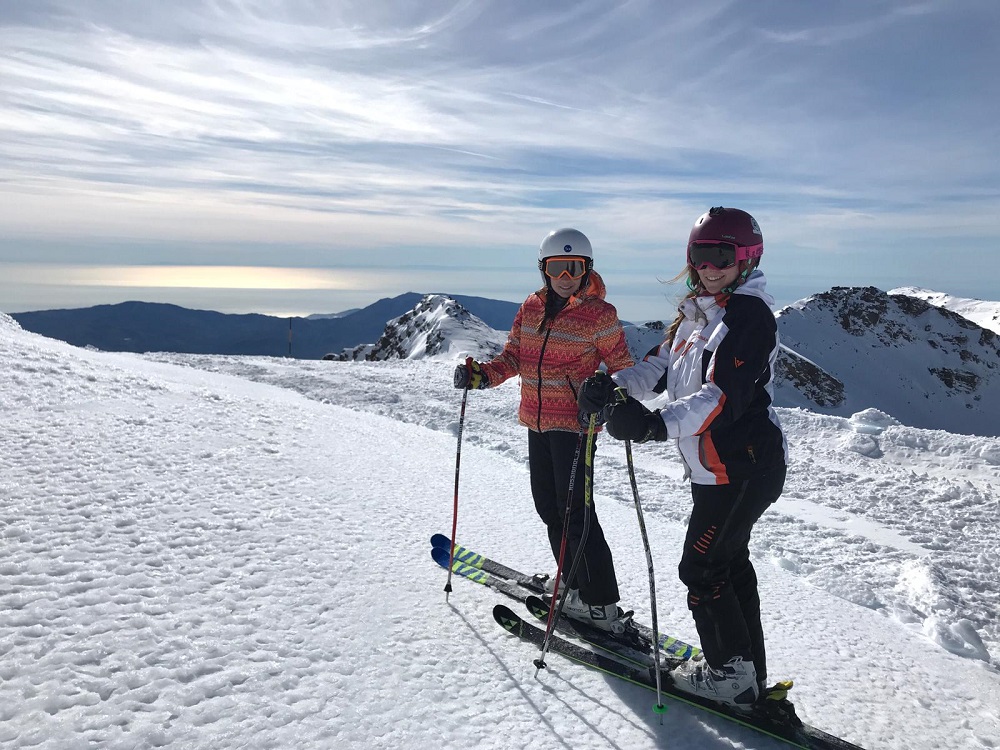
(772, 715)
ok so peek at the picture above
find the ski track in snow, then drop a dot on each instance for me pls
(196, 559)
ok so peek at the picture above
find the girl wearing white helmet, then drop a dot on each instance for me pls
(561, 335)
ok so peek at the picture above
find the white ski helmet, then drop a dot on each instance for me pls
(565, 242)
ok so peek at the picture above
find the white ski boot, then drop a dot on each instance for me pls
(601, 616)
(735, 684)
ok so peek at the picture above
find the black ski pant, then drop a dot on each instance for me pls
(550, 460)
(716, 568)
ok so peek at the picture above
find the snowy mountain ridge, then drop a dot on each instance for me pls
(438, 327)
(980, 312)
(843, 351)
(854, 348)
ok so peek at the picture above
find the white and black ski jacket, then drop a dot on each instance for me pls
(718, 377)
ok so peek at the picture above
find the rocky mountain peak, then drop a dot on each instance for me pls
(853, 348)
(437, 326)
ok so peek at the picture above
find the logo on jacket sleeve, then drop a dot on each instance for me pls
(738, 362)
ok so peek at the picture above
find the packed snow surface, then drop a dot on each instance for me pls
(226, 552)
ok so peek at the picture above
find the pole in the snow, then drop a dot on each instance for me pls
(458, 464)
(659, 708)
(567, 514)
(556, 612)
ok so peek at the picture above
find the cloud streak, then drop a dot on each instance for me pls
(418, 125)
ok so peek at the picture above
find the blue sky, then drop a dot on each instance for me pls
(402, 146)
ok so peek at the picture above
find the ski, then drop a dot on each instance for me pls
(765, 720)
(608, 643)
(505, 586)
(638, 638)
(671, 646)
(465, 555)
(629, 646)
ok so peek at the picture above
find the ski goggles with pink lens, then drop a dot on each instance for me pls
(575, 268)
(719, 254)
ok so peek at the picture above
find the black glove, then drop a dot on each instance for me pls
(633, 421)
(596, 392)
(471, 376)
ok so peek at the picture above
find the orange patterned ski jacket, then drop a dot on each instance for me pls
(554, 362)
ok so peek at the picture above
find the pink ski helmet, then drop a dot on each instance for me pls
(731, 226)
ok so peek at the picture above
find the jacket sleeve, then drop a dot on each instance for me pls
(642, 378)
(610, 341)
(507, 363)
(738, 358)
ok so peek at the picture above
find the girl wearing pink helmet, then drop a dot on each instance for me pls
(716, 366)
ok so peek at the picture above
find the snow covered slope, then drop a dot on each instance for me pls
(643, 338)
(980, 312)
(859, 348)
(213, 552)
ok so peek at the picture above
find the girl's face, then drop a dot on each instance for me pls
(566, 287)
(715, 280)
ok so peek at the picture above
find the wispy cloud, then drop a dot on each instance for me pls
(360, 125)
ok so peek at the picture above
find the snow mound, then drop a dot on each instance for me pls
(872, 422)
(926, 600)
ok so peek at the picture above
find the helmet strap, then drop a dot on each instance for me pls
(748, 267)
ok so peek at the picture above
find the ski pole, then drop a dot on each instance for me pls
(659, 708)
(588, 474)
(567, 515)
(458, 464)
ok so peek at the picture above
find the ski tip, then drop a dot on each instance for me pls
(440, 540)
(537, 606)
(441, 556)
(507, 619)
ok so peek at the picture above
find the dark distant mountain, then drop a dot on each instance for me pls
(156, 327)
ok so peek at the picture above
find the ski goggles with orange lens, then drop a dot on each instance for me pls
(720, 255)
(575, 268)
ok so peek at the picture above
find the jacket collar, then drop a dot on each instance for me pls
(708, 306)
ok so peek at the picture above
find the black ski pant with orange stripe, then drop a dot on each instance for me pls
(550, 461)
(715, 566)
